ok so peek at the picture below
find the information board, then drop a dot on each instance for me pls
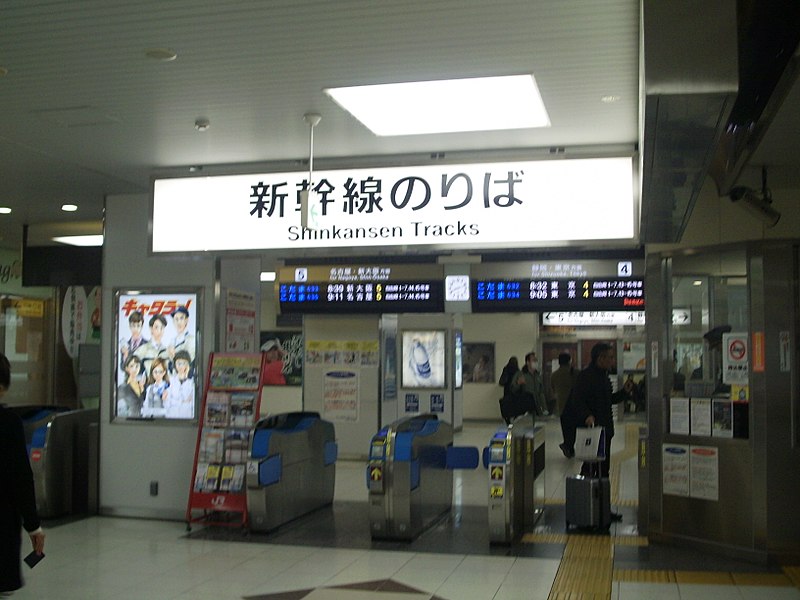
(568, 294)
(362, 297)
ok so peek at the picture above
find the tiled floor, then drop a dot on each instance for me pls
(329, 555)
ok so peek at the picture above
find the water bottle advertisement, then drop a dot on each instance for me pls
(423, 359)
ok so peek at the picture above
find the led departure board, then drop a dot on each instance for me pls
(570, 294)
(362, 296)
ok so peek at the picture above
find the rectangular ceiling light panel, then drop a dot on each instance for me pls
(446, 106)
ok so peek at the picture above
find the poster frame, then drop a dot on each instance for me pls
(438, 341)
(171, 296)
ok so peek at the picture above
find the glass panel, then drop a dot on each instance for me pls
(709, 300)
(22, 340)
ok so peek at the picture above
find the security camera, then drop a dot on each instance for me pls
(757, 203)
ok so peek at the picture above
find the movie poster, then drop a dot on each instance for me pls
(156, 356)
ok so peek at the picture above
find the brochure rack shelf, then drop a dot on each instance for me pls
(231, 405)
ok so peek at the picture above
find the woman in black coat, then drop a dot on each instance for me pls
(511, 368)
(17, 500)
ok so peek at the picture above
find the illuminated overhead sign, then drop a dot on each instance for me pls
(593, 318)
(502, 205)
(358, 290)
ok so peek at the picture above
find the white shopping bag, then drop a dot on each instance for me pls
(590, 444)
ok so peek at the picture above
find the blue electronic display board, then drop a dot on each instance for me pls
(362, 297)
(571, 294)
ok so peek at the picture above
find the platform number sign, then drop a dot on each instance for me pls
(624, 268)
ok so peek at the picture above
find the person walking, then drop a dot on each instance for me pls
(17, 496)
(561, 383)
(592, 399)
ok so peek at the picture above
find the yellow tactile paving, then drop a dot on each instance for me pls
(765, 579)
(589, 546)
(706, 577)
(579, 596)
(585, 569)
(643, 576)
(592, 575)
(793, 573)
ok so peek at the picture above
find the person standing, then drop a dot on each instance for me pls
(528, 382)
(592, 399)
(17, 496)
(506, 377)
(561, 383)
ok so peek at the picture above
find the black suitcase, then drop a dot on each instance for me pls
(588, 502)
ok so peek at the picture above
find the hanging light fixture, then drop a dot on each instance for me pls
(309, 210)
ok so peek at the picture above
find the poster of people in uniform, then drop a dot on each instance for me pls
(156, 367)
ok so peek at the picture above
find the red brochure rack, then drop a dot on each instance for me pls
(231, 406)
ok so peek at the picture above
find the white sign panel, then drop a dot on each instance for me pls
(515, 204)
(588, 319)
(701, 416)
(675, 469)
(704, 468)
(734, 358)
(679, 416)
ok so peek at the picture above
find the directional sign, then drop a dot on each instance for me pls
(497, 473)
(593, 318)
(376, 473)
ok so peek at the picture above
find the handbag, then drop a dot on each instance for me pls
(590, 444)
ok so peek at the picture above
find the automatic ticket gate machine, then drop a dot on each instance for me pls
(515, 461)
(63, 457)
(291, 469)
(409, 475)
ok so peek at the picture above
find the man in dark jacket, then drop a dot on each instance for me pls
(592, 398)
(17, 501)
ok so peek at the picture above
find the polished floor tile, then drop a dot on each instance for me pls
(329, 555)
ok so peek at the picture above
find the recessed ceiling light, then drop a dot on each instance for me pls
(202, 124)
(446, 106)
(267, 275)
(162, 54)
(610, 98)
(69, 207)
(697, 283)
(5, 210)
(80, 240)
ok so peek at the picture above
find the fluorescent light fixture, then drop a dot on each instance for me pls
(697, 283)
(5, 210)
(80, 240)
(69, 207)
(267, 275)
(445, 106)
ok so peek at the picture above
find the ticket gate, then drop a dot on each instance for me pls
(34, 416)
(515, 461)
(291, 469)
(409, 475)
(63, 457)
